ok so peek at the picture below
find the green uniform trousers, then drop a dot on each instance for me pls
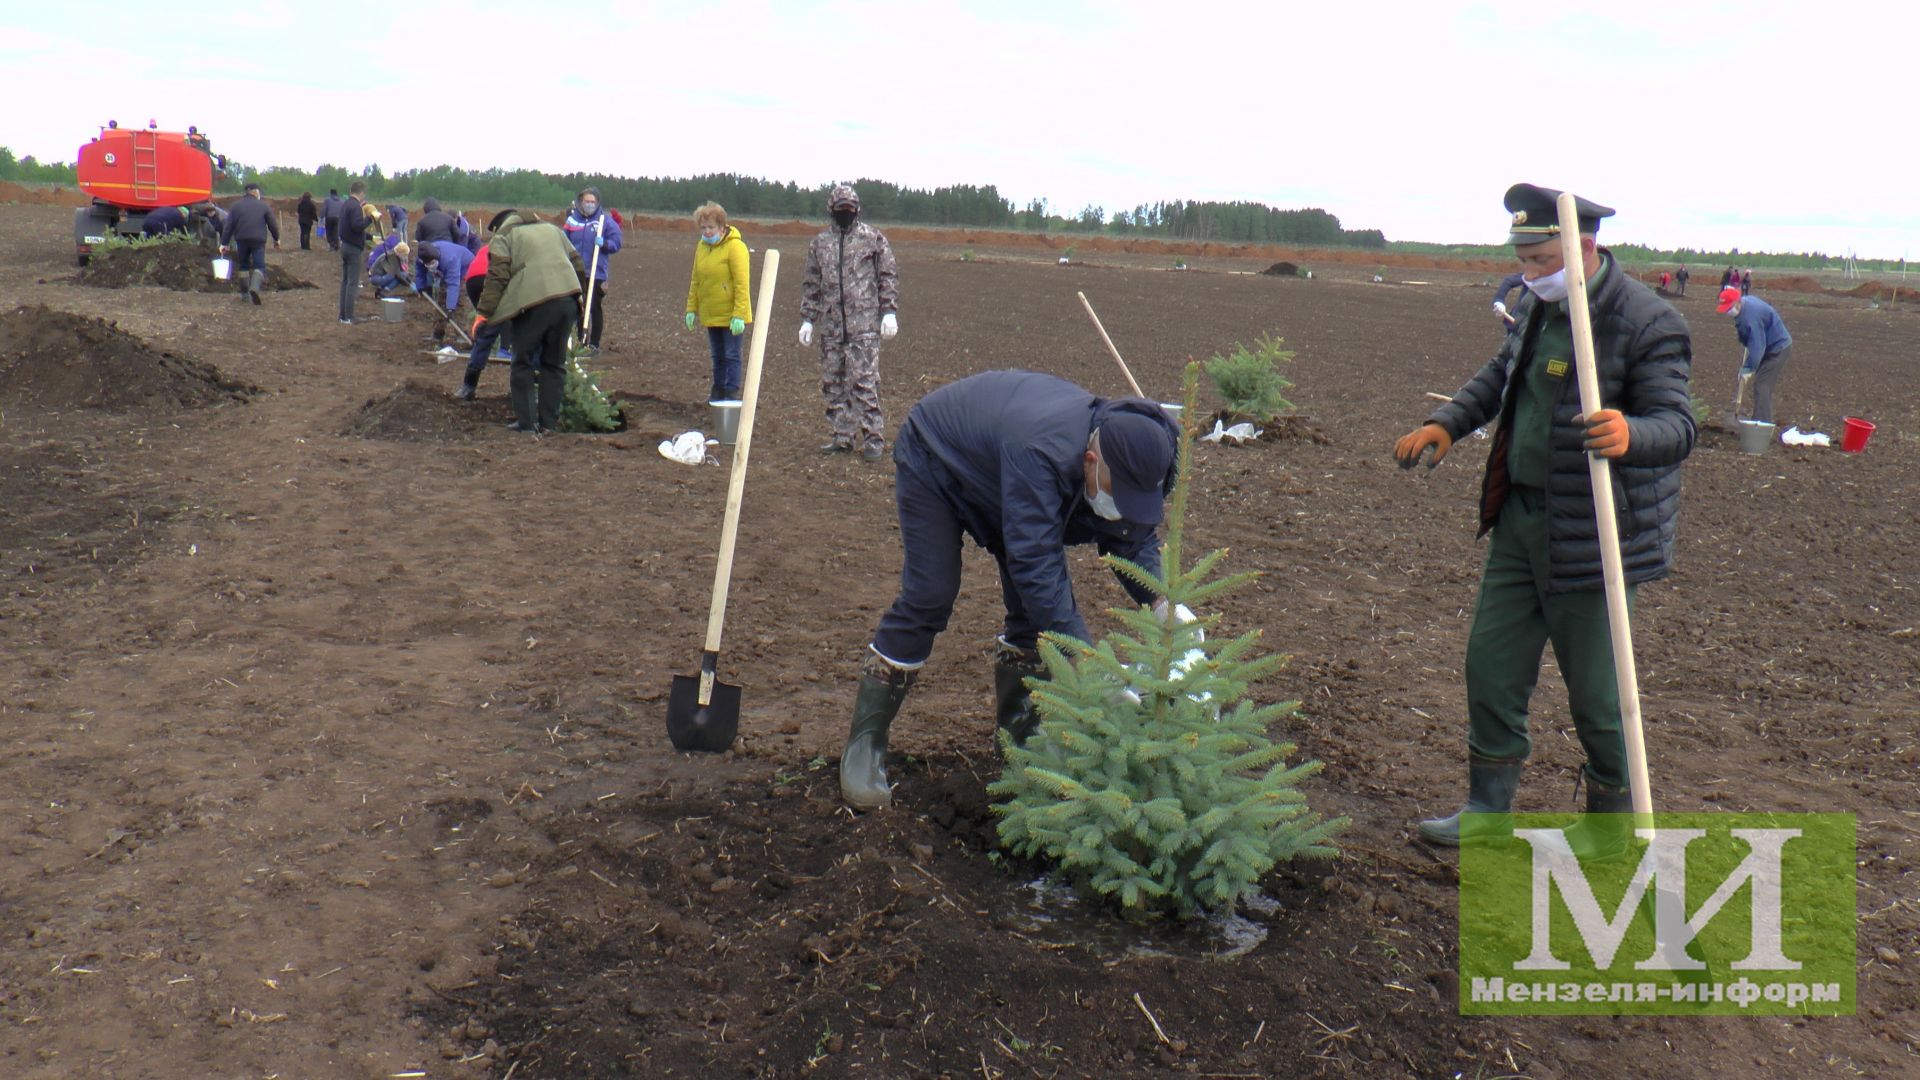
(1512, 623)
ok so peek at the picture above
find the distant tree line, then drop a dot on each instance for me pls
(27, 170)
(963, 205)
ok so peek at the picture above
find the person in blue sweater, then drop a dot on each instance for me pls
(1027, 465)
(1764, 336)
(443, 262)
(1507, 284)
(589, 224)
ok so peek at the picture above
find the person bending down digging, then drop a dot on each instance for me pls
(1542, 579)
(1026, 464)
(535, 278)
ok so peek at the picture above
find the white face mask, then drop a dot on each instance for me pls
(1102, 504)
(1552, 288)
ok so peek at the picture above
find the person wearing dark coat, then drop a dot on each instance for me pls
(250, 222)
(164, 220)
(306, 213)
(1501, 291)
(434, 224)
(352, 234)
(1543, 580)
(1027, 465)
(330, 214)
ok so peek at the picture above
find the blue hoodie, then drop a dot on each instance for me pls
(1760, 330)
(451, 268)
(580, 230)
(1006, 449)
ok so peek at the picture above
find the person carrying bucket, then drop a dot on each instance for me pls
(249, 223)
(1543, 578)
(1763, 334)
(1027, 465)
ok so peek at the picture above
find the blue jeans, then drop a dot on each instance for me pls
(490, 332)
(724, 344)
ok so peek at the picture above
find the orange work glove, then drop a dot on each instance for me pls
(474, 330)
(1607, 433)
(1416, 442)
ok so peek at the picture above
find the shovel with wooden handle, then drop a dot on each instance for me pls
(1600, 475)
(703, 713)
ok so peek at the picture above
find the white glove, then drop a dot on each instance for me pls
(889, 326)
(1500, 306)
(806, 333)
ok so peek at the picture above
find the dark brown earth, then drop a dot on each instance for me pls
(185, 267)
(335, 718)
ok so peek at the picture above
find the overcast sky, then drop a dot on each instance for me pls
(1780, 126)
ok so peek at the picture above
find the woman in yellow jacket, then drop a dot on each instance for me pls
(717, 298)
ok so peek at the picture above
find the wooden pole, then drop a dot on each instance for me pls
(1137, 392)
(1600, 474)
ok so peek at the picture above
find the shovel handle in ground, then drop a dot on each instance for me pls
(457, 328)
(1600, 475)
(1124, 370)
(704, 713)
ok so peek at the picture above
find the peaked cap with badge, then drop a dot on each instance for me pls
(1536, 214)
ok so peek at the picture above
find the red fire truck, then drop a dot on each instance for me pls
(131, 172)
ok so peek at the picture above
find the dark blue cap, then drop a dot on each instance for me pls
(1140, 454)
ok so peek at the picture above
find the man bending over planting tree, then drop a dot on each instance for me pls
(1026, 464)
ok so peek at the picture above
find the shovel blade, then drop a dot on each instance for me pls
(709, 729)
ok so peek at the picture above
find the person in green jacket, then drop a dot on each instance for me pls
(535, 278)
(718, 297)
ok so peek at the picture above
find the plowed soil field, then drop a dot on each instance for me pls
(334, 711)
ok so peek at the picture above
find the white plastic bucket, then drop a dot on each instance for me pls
(222, 269)
(393, 309)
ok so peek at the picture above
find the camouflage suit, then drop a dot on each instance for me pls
(851, 281)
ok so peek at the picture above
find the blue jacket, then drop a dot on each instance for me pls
(1760, 330)
(1006, 448)
(1508, 284)
(379, 251)
(452, 268)
(164, 220)
(330, 207)
(580, 231)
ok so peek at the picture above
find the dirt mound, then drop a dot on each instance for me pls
(419, 411)
(656, 417)
(183, 267)
(1282, 269)
(1881, 291)
(54, 196)
(54, 361)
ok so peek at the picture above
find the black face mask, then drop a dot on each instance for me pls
(845, 218)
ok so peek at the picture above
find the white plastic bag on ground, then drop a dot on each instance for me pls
(1239, 432)
(1793, 436)
(688, 448)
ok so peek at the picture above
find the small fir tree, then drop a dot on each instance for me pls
(583, 405)
(1250, 379)
(1152, 782)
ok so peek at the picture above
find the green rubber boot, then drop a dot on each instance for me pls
(1012, 700)
(1491, 783)
(1608, 825)
(863, 764)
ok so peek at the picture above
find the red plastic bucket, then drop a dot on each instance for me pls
(1854, 439)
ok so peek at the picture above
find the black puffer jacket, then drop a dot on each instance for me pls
(1642, 356)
